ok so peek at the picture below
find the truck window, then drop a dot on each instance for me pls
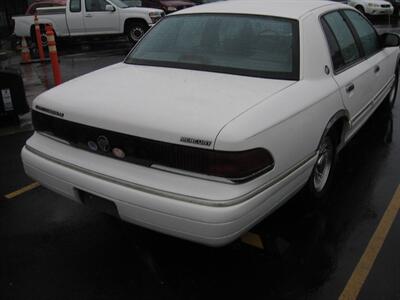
(95, 5)
(75, 5)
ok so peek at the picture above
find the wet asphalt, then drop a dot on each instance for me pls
(52, 248)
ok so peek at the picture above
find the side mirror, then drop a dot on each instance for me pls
(110, 8)
(390, 40)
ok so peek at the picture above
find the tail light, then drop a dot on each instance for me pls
(235, 166)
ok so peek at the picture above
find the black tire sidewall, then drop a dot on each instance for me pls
(360, 9)
(396, 86)
(34, 40)
(132, 26)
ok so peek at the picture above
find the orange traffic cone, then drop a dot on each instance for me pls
(53, 54)
(25, 53)
(39, 38)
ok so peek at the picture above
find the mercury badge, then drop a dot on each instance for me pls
(195, 141)
(118, 152)
(103, 143)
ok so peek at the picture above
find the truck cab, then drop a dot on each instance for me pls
(92, 17)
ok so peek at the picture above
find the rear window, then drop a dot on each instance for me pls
(247, 45)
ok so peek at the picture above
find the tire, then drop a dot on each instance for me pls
(321, 176)
(391, 97)
(135, 31)
(42, 34)
(360, 9)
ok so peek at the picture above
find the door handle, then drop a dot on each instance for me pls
(350, 88)
(88, 15)
(377, 69)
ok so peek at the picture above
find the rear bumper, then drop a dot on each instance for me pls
(206, 224)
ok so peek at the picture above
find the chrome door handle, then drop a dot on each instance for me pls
(377, 69)
(88, 15)
(350, 88)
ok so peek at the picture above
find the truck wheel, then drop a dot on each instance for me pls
(360, 9)
(135, 31)
(42, 35)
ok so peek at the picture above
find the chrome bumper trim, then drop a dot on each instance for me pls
(174, 196)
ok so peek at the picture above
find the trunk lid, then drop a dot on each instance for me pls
(163, 104)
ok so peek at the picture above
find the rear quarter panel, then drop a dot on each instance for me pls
(291, 123)
(23, 24)
(58, 21)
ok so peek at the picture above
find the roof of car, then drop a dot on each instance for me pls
(293, 9)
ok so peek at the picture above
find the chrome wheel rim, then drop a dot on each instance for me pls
(136, 33)
(323, 166)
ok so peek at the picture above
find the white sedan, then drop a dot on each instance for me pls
(373, 7)
(218, 116)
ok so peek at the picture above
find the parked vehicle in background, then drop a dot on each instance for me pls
(31, 10)
(372, 7)
(91, 17)
(168, 5)
(340, 1)
(218, 116)
(133, 3)
(206, 1)
(396, 7)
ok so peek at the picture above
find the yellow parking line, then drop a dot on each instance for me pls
(22, 190)
(367, 260)
(252, 239)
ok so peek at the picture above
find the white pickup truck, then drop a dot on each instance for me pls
(91, 17)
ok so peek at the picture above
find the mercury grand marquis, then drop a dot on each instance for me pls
(219, 115)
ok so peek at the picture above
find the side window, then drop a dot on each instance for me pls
(337, 57)
(95, 5)
(369, 38)
(337, 27)
(75, 5)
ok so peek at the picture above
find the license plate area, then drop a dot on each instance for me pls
(98, 203)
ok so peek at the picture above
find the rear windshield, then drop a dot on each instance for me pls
(247, 45)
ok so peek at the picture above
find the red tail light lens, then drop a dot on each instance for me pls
(238, 166)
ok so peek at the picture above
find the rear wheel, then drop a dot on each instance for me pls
(135, 31)
(391, 97)
(43, 36)
(321, 176)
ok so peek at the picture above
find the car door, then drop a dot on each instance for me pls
(75, 18)
(352, 73)
(99, 21)
(375, 56)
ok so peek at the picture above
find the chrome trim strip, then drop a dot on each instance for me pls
(50, 136)
(175, 196)
(371, 103)
(227, 180)
(192, 174)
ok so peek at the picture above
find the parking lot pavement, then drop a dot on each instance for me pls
(53, 248)
(75, 62)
